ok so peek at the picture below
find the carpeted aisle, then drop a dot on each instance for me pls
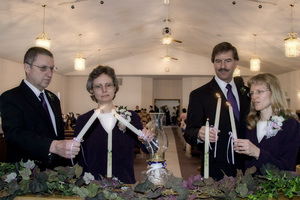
(188, 164)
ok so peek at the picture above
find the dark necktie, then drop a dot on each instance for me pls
(44, 104)
(232, 101)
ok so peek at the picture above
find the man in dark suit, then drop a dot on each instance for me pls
(32, 124)
(202, 105)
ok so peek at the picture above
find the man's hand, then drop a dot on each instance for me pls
(63, 148)
(212, 134)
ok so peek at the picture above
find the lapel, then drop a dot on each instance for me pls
(243, 98)
(55, 106)
(33, 101)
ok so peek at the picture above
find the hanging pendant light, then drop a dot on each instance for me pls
(291, 44)
(42, 40)
(255, 60)
(237, 71)
(79, 62)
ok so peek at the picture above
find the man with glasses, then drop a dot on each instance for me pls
(202, 106)
(31, 116)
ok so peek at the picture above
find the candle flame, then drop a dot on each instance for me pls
(218, 95)
(228, 104)
(207, 119)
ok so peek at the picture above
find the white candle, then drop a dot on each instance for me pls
(206, 150)
(108, 122)
(109, 155)
(87, 125)
(127, 124)
(232, 121)
(217, 120)
(218, 110)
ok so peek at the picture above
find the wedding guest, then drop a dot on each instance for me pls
(167, 114)
(32, 118)
(273, 134)
(68, 124)
(151, 109)
(103, 85)
(202, 105)
(137, 109)
(174, 115)
(183, 116)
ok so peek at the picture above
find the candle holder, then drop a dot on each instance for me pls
(156, 171)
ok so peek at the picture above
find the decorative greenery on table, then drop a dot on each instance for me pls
(26, 178)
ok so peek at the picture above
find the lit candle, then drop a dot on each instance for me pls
(206, 150)
(87, 125)
(232, 121)
(217, 120)
(218, 110)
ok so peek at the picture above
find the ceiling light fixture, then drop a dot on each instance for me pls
(79, 62)
(237, 71)
(167, 40)
(42, 40)
(291, 44)
(255, 60)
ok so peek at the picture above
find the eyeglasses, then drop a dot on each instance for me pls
(257, 92)
(108, 86)
(44, 68)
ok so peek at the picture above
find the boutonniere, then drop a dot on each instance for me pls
(50, 95)
(274, 126)
(243, 90)
(123, 112)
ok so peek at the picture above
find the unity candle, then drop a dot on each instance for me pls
(108, 122)
(206, 150)
(232, 121)
(87, 125)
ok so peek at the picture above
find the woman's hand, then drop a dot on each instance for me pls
(244, 146)
(147, 136)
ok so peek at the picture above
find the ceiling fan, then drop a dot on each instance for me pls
(166, 32)
(167, 36)
(167, 57)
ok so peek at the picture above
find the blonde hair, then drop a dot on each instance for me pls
(278, 101)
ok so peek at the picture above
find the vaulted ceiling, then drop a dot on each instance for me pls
(116, 29)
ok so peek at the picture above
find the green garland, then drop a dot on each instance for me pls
(26, 178)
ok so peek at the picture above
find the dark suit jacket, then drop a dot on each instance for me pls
(202, 105)
(27, 128)
(280, 150)
(93, 157)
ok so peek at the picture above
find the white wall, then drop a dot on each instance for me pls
(130, 93)
(167, 89)
(189, 84)
(147, 93)
(11, 74)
